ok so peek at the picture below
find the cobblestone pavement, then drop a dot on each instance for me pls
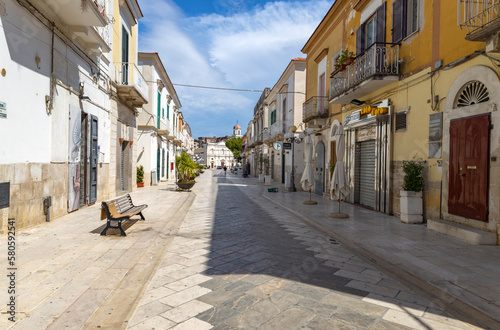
(240, 261)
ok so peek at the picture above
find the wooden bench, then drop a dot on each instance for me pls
(120, 209)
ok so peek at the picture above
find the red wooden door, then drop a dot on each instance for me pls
(469, 167)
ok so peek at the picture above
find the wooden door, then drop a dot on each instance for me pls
(469, 167)
(94, 157)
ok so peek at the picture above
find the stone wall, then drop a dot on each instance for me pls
(29, 183)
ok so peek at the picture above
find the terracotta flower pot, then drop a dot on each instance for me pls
(140, 184)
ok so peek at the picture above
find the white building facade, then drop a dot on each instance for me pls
(155, 148)
(54, 107)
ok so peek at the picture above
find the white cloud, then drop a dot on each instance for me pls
(236, 49)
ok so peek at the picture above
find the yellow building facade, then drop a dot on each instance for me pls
(429, 78)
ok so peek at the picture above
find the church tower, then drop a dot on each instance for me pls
(237, 131)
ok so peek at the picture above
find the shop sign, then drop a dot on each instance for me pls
(3, 110)
(354, 116)
(367, 134)
(287, 145)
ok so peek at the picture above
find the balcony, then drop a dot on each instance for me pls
(131, 86)
(480, 18)
(315, 107)
(375, 68)
(75, 13)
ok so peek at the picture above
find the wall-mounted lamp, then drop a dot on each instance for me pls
(357, 102)
(84, 98)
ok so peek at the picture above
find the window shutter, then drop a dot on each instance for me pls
(400, 121)
(399, 13)
(360, 39)
(381, 23)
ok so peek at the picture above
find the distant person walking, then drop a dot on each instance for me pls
(225, 170)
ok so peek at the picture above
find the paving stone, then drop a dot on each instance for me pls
(354, 303)
(292, 318)
(184, 296)
(354, 318)
(156, 322)
(148, 311)
(373, 288)
(186, 311)
(308, 291)
(193, 323)
(316, 307)
(321, 323)
(187, 282)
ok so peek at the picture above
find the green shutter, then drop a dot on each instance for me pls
(168, 111)
(158, 110)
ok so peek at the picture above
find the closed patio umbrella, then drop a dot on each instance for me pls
(339, 187)
(307, 179)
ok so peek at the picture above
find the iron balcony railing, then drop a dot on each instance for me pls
(315, 107)
(378, 60)
(477, 14)
(127, 74)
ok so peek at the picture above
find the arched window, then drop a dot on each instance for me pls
(473, 92)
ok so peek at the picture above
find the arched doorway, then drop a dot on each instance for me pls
(319, 172)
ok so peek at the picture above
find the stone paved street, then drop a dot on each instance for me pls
(240, 261)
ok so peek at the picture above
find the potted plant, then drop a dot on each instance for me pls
(186, 170)
(349, 57)
(261, 166)
(411, 195)
(140, 176)
(267, 168)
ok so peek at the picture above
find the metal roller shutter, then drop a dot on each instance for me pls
(364, 189)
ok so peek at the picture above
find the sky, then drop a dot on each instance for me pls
(232, 44)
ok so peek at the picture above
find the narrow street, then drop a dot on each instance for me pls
(239, 261)
(221, 256)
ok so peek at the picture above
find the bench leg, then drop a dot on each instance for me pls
(108, 225)
(142, 217)
(122, 232)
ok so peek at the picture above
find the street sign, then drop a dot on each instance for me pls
(287, 145)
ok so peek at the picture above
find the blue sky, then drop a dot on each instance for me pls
(238, 44)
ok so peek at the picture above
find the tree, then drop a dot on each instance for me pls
(234, 144)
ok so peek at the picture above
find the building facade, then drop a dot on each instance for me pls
(417, 86)
(154, 136)
(59, 57)
(285, 102)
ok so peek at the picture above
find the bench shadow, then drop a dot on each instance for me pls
(112, 231)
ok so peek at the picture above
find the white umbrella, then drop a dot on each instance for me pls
(339, 187)
(307, 180)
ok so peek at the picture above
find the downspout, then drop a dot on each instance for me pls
(50, 103)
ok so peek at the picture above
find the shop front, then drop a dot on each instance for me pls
(368, 157)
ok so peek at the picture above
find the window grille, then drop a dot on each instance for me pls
(400, 121)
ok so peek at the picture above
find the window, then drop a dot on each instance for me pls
(404, 19)
(371, 31)
(273, 116)
(168, 111)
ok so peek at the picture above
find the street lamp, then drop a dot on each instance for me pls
(293, 138)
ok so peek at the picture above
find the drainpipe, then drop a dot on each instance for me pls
(50, 103)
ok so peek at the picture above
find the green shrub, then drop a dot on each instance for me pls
(140, 173)
(413, 179)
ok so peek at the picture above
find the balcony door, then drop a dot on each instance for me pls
(322, 94)
(125, 58)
